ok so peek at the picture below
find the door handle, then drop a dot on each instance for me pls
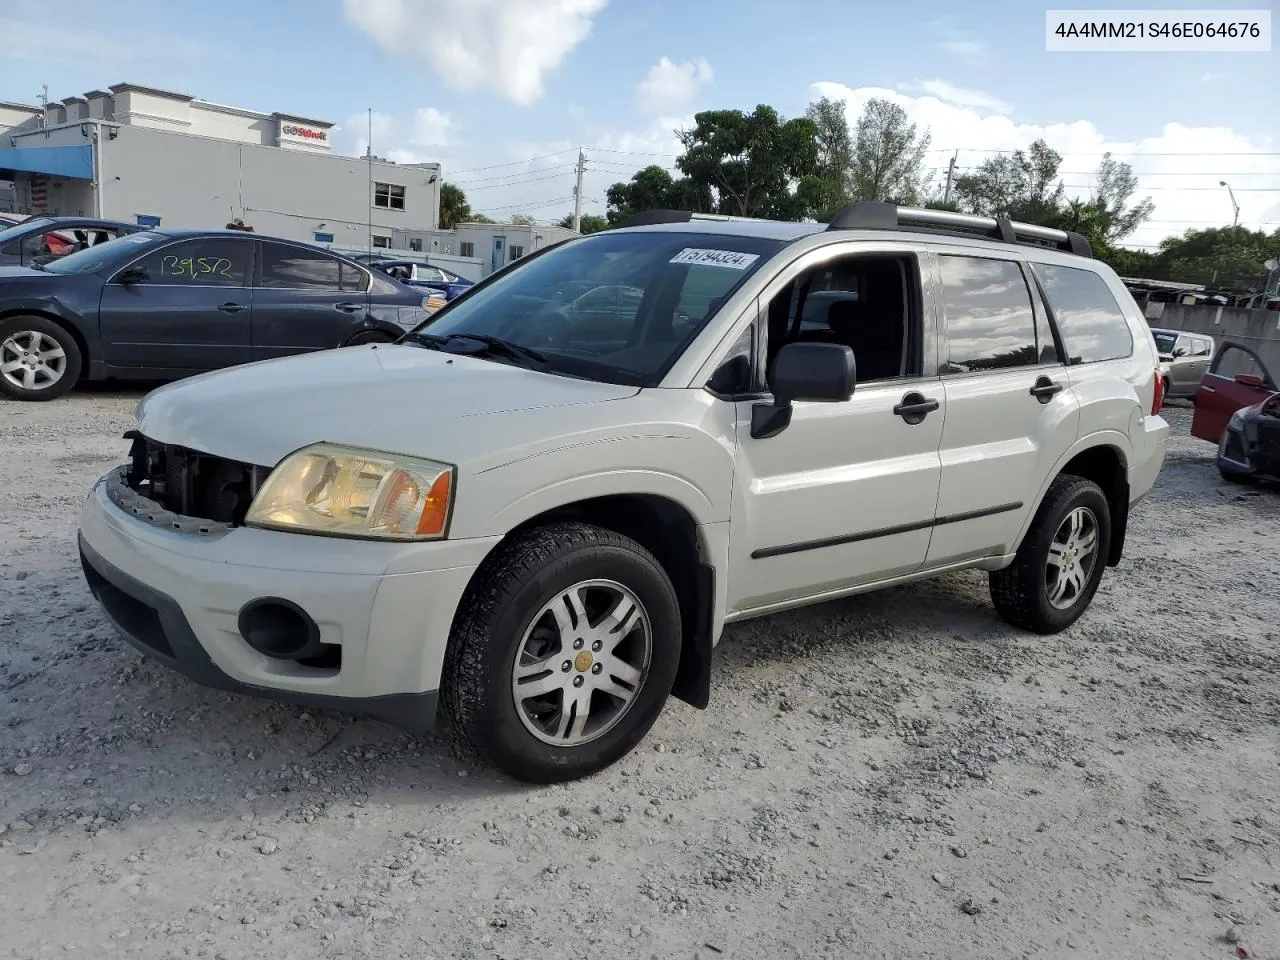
(347, 307)
(232, 307)
(1045, 389)
(915, 407)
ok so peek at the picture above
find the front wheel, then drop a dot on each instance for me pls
(563, 653)
(1061, 560)
(39, 360)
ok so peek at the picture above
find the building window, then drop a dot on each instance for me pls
(383, 243)
(389, 195)
(415, 245)
(517, 253)
(466, 249)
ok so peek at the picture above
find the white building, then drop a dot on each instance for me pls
(156, 157)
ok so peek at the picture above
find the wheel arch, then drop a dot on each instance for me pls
(88, 352)
(668, 530)
(1103, 458)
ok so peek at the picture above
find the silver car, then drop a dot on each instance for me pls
(1184, 360)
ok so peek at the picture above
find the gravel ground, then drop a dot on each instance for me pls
(895, 775)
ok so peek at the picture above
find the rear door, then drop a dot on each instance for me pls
(304, 300)
(1010, 409)
(185, 306)
(1237, 378)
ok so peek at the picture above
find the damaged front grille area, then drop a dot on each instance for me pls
(191, 483)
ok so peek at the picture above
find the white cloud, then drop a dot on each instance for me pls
(960, 96)
(431, 128)
(965, 49)
(417, 139)
(506, 46)
(1210, 77)
(671, 87)
(1179, 168)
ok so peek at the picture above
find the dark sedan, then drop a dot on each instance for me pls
(165, 305)
(424, 275)
(41, 239)
(1238, 408)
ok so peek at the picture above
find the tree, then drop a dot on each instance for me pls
(1020, 185)
(1229, 257)
(521, 218)
(888, 155)
(748, 163)
(1115, 186)
(480, 218)
(590, 223)
(827, 189)
(454, 208)
(654, 189)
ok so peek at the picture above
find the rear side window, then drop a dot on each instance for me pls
(295, 268)
(990, 323)
(1090, 322)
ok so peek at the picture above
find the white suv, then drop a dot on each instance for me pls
(539, 510)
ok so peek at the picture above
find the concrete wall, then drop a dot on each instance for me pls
(1259, 329)
(198, 182)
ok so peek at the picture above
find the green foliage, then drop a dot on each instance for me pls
(888, 155)
(1018, 185)
(748, 163)
(590, 223)
(826, 190)
(522, 218)
(454, 208)
(654, 189)
(480, 218)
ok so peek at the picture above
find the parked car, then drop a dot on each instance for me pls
(541, 523)
(1184, 358)
(1238, 408)
(424, 275)
(8, 220)
(41, 239)
(168, 304)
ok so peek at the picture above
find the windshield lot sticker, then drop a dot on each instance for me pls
(716, 258)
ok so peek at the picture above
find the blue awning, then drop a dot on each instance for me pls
(74, 162)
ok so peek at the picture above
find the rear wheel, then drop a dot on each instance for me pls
(1061, 560)
(563, 653)
(39, 360)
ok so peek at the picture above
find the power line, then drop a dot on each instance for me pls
(495, 166)
(513, 174)
(516, 183)
(531, 206)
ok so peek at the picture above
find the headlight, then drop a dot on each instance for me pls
(349, 492)
(1237, 420)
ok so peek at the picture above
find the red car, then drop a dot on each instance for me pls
(1238, 408)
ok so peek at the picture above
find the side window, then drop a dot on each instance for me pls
(1201, 348)
(203, 262)
(1092, 325)
(429, 273)
(990, 323)
(295, 268)
(863, 302)
(353, 278)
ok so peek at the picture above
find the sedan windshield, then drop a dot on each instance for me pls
(616, 306)
(105, 257)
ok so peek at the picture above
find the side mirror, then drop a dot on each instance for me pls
(132, 276)
(816, 372)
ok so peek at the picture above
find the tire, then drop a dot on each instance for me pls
(369, 336)
(1233, 476)
(1164, 396)
(1021, 592)
(512, 608)
(39, 360)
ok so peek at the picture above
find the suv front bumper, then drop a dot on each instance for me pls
(174, 589)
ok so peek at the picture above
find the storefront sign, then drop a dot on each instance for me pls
(301, 133)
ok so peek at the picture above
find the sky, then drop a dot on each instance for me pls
(504, 93)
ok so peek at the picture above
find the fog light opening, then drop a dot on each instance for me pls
(280, 629)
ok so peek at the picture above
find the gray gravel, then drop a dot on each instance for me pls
(887, 776)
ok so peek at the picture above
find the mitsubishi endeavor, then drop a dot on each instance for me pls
(536, 512)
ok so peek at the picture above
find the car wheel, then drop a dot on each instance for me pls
(1236, 476)
(1059, 565)
(563, 653)
(39, 360)
(369, 336)
(1165, 394)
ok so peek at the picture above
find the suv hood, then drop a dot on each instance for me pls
(401, 399)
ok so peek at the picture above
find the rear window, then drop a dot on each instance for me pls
(1090, 322)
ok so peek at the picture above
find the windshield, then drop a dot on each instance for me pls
(22, 229)
(617, 306)
(1165, 341)
(105, 256)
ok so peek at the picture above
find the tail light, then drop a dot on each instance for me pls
(433, 302)
(1157, 400)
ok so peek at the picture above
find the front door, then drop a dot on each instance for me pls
(1011, 412)
(1237, 379)
(499, 258)
(183, 307)
(845, 495)
(304, 300)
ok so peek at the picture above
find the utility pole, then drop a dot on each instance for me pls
(369, 199)
(951, 173)
(1235, 222)
(577, 193)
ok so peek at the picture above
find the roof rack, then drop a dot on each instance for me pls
(647, 218)
(873, 215)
